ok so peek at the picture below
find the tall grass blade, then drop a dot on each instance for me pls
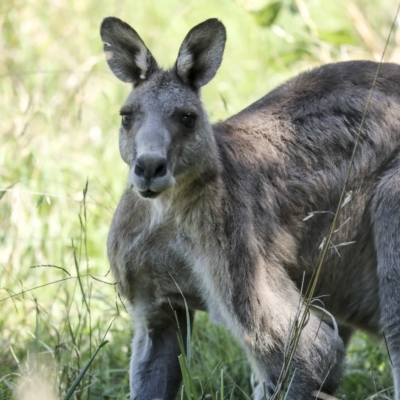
(76, 263)
(81, 375)
(83, 372)
(188, 383)
(222, 385)
(189, 334)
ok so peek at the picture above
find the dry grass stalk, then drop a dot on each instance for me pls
(323, 396)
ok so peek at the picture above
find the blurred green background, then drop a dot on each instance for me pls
(61, 174)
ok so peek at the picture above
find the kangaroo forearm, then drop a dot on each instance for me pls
(155, 372)
(155, 380)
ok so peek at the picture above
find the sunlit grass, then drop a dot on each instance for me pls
(59, 116)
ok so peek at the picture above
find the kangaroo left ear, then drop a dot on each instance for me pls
(126, 53)
(201, 53)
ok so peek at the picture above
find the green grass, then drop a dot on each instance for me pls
(61, 174)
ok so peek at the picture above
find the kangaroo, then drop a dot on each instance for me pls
(218, 217)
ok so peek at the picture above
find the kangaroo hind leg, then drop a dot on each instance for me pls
(386, 226)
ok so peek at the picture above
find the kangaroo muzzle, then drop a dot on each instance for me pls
(150, 173)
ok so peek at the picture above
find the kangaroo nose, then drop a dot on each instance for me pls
(151, 166)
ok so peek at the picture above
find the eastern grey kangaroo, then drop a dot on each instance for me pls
(215, 215)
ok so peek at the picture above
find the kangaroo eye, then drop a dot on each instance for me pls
(126, 120)
(189, 120)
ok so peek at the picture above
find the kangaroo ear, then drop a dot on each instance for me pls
(201, 53)
(126, 53)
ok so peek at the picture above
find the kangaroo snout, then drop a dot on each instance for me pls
(151, 166)
(150, 174)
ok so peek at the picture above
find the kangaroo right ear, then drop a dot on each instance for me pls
(126, 53)
(201, 53)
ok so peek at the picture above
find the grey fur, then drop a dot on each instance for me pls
(217, 213)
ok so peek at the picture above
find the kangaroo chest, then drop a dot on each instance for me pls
(154, 263)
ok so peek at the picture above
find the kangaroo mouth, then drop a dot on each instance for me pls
(149, 194)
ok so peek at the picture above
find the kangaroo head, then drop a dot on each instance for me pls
(165, 134)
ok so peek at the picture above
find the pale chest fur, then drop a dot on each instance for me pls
(152, 257)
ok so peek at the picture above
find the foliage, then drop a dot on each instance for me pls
(61, 174)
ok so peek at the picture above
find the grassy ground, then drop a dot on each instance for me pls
(61, 174)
